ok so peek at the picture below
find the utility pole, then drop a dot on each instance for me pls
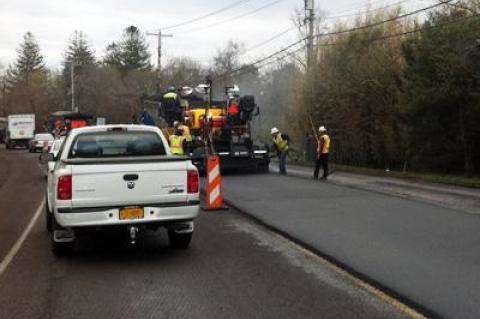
(72, 82)
(159, 36)
(310, 17)
(309, 88)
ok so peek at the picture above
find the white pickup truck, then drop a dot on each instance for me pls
(119, 176)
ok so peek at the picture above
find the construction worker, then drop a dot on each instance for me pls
(172, 107)
(184, 129)
(280, 142)
(177, 142)
(323, 148)
(233, 111)
(185, 133)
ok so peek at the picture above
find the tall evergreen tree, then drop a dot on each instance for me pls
(79, 51)
(112, 56)
(29, 60)
(81, 56)
(131, 53)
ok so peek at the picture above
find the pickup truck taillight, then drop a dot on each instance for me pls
(192, 181)
(64, 187)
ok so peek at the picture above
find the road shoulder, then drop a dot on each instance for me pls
(449, 196)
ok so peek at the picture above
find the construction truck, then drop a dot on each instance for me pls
(20, 130)
(217, 127)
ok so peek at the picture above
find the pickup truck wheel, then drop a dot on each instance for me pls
(179, 241)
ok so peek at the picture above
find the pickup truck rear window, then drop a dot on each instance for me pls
(117, 144)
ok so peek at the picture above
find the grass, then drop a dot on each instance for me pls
(457, 180)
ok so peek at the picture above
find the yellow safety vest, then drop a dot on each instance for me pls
(282, 145)
(186, 133)
(170, 95)
(326, 144)
(176, 144)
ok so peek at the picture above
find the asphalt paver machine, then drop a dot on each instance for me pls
(221, 128)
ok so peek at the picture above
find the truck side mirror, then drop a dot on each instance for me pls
(46, 157)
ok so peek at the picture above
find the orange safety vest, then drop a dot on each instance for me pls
(233, 109)
(325, 147)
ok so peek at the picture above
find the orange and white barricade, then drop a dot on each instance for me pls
(214, 184)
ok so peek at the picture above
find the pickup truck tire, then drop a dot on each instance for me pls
(179, 241)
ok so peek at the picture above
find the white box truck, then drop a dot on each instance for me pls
(20, 130)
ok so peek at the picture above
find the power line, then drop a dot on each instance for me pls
(386, 37)
(385, 21)
(278, 35)
(233, 18)
(256, 46)
(400, 34)
(366, 11)
(337, 33)
(231, 6)
(370, 3)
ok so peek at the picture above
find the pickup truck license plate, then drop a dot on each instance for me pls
(131, 213)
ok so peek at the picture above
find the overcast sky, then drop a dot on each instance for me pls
(53, 22)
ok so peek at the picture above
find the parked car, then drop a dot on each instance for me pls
(121, 176)
(39, 140)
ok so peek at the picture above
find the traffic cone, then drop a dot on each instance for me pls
(214, 199)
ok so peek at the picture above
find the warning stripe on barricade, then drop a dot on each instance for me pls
(214, 184)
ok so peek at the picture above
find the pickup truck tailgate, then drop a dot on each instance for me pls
(100, 185)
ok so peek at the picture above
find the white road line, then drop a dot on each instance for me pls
(18, 244)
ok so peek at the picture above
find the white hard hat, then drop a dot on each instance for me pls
(274, 130)
(322, 129)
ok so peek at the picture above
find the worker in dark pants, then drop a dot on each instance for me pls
(280, 142)
(322, 153)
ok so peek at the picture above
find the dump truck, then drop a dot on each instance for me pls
(215, 131)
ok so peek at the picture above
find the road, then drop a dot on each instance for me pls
(234, 268)
(426, 253)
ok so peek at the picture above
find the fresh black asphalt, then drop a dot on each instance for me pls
(428, 254)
